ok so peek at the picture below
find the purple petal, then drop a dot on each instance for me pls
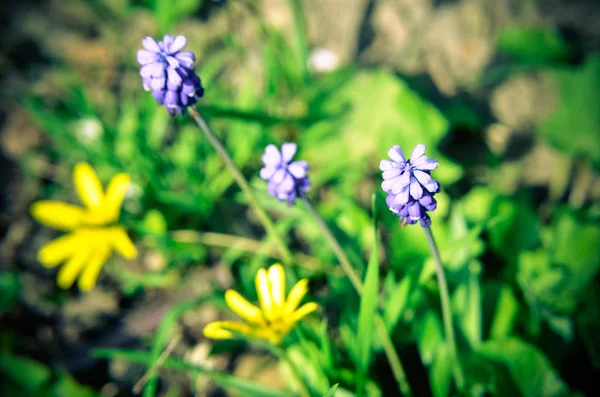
(415, 211)
(185, 58)
(416, 191)
(403, 211)
(184, 99)
(396, 155)
(267, 172)
(385, 165)
(177, 44)
(426, 180)
(145, 56)
(155, 69)
(166, 43)
(174, 63)
(402, 182)
(171, 99)
(272, 155)
(417, 152)
(279, 175)
(159, 95)
(174, 77)
(402, 197)
(272, 188)
(426, 164)
(394, 172)
(288, 150)
(428, 202)
(291, 197)
(146, 82)
(425, 220)
(297, 170)
(388, 184)
(149, 44)
(287, 184)
(158, 83)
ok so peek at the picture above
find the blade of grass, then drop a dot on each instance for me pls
(368, 308)
(161, 339)
(225, 380)
(332, 390)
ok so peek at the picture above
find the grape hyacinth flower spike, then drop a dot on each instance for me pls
(409, 185)
(410, 190)
(169, 73)
(288, 179)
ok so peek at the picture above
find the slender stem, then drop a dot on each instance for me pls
(337, 249)
(253, 246)
(446, 312)
(243, 184)
(386, 341)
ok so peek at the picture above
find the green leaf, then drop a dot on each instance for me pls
(168, 12)
(397, 300)
(515, 228)
(10, 287)
(67, 386)
(225, 380)
(529, 368)
(331, 391)
(505, 315)
(533, 44)
(368, 307)
(441, 373)
(28, 374)
(574, 125)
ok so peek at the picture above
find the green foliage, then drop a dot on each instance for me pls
(531, 374)
(521, 266)
(331, 391)
(533, 44)
(574, 126)
(368, 306)
(249, 388)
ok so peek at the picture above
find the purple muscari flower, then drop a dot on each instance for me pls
(409, 184)
(169, 73)
(287, 178)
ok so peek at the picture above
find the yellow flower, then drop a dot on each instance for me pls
(276, 316)
(93, 235)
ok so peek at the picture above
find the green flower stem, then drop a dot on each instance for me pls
(388, 346)
(243, 184)
(446, 312)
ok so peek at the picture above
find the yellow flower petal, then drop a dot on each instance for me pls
(304, 310)
(263, 289)
(229, 329)
(115, 193)
(88, 185)
(243, 308)
(215, 331)
(296, 295)
(70, 270)
(276, 276)
(57, 215)
(121, 242)
(59, 249)
(90, 273)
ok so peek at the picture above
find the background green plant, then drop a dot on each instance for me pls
(522, 266)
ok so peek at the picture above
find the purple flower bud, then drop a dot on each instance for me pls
(287, 179)
(409, 184)
(169, 73)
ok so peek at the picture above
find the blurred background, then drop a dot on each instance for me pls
(504, 93)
